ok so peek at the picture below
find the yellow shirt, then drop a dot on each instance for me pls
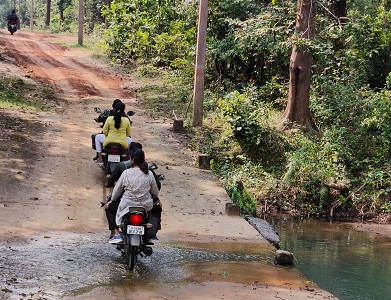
(114, 135)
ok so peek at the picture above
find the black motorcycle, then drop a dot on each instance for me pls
(139, 226)
(112, 155)
(12, 27)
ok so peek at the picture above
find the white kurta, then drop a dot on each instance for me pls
(137, 187)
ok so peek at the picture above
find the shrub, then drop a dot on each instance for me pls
(242, 198)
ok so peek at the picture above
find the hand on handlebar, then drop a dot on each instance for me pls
(106, 205)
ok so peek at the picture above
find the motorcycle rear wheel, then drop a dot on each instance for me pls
(131, 256)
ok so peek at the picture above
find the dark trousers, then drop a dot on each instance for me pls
(111, 212)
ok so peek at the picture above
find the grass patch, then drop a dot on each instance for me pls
(160, 95)
(16, 92)
(162, 101)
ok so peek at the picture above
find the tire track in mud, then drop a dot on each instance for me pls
(40, 65)
(49, 62)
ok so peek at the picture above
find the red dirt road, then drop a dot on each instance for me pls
(66, 70)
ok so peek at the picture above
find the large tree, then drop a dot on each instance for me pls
(297, 109)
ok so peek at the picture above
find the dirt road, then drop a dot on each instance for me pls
(53, 232)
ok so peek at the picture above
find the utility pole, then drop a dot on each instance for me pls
(81, 23)
(32, 16)
(199, 74)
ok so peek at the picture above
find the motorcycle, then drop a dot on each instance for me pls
(12, 27)
(138, 227)
(135, 226)
(113, 153)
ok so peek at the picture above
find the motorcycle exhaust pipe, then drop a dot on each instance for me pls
(147, 251)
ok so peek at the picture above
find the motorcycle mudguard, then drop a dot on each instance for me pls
(112, 166)
(135, 240)
(155, 221)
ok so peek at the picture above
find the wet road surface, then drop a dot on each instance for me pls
(66, 264)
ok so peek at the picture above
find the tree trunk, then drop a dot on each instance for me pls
(297, 109)
(339, 9)
(108, 3)
(48, 4)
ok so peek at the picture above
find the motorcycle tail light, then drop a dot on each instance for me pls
(114, 151)
(136, 219)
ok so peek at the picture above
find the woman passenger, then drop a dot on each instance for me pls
(136, 187)
(115, 130)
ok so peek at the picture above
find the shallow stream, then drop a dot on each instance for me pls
(68, 265)
(348, 263)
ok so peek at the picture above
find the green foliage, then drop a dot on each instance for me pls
(234, 168)
(377, 126)
(243, 116)
(163, 100)
(155, 31)
(247, 46)
(386, 208)
(63, 5)
(248, 117)
(149, 71)
(304, 162)
(388, 81)
(313, 163)
(242, 198)
(368, 41)
(274, 92)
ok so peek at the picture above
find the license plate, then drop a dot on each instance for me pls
(135, 230)
(114, 158)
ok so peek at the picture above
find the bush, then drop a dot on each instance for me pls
(242, 198)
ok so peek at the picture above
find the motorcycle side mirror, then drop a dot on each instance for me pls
(130, 113)
(97, 110)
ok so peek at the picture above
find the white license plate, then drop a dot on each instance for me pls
(114, 158)
(135, 230)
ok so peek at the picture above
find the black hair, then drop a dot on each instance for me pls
(138, 157)
(13, 11)
(118, 111)
(115, 102)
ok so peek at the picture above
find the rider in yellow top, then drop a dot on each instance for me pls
(115, 130)
(116, 135)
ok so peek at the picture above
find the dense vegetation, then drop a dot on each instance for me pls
(340, 168)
